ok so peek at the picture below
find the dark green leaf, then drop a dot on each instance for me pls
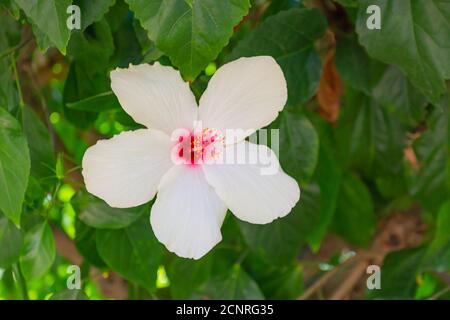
(98, 103)
(8, 92)
(369, 138)
(438, 253)
(355, 218)
(92, 48)
(14, 166)
(280, 241)
(398, 275)
(299, 145)
(398, 95)
(40, 144)
(133, 252)
(351, 59)
(414, 37)
(289, 37)
(191, 33)
(432, 183)
(236, 284)
(92, 11)
(85, 241)
(81, 84)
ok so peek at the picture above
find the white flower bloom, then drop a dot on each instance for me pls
(193, 193)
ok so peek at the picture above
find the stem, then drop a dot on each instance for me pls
(21, 281)
(19, 88)
(13, 49)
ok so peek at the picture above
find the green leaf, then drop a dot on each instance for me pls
(187, 276)
(40, 143)
(50, 17)
(10, 243)
(14, 166)
(98, 103)
(191, 33)
(92, 48)
(399, 96)
(289, 37)
(8, 92)
(85, 241)
(81, 84)
(38, 252)
(431, 184)
(438, 252)
(351, 58)
(92, 11)
(281, 283)
(70, 295)
(299, 145)
(414, 37)
(355, 218)
(369, 138)
(236, 284)
(328, 176)
(96, 213)
(133, 252)
(280, 241)
(398, 275)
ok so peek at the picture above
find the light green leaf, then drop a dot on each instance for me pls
(96, 213)
(14, 166)
(70, 295)
(50, 17)
(289, 37)
(191, 33)
(133, 252)
(10, 243)
(38, 252)
(414, 36)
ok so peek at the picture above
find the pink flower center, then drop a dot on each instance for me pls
(195, 148)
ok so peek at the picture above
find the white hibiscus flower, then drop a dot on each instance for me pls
(193, 195)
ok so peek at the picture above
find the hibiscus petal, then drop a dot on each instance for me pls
(155, 96)
(245, 94)
(187, 215)
(125, 170)
(254, 188)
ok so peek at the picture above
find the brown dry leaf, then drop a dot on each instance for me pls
(330, 89)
